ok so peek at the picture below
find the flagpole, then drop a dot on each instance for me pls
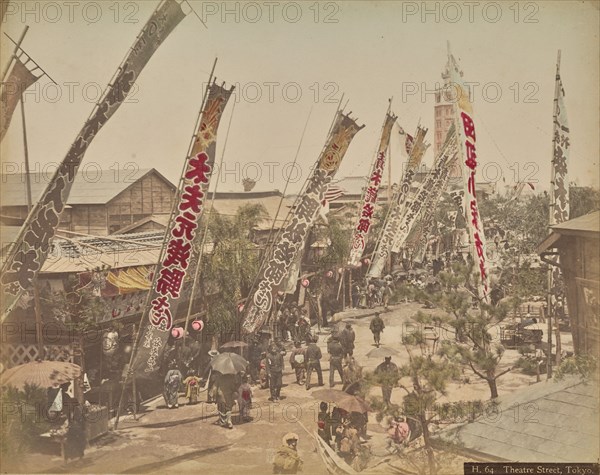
(551, 220)
(210, 212)
(14, 55)
(29, 58)
(36, 292)
(164, 244)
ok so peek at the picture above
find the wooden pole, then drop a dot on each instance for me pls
(550, 223)
(133, 387)
(14, 55)
(36, 291)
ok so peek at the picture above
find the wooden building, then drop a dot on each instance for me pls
(101, 202)
(577, 242)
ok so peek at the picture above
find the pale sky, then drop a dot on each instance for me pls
(369, 51)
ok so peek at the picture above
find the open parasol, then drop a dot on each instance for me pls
(228, 363)
(382, 352)
(45, 374)
(342, 400)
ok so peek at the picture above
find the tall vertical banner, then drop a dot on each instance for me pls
(416, 147)
(560, 159)
(465, 130)
(559, 205)
(363, 224)
(428, 193)
(183, 240)
(293, 238)
(28, 254)
(18, 81)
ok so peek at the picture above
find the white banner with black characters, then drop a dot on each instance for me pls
(392, 221)
(293, 238)
(28, 254)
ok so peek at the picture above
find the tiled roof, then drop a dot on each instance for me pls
(548, 421)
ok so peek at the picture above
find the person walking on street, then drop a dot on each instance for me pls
(192, 384)
(388, 375)
(287, 459)
(245, 398)
(298, 362)
(173, 380)
(275, 371)
(313, 357)
(208, 374)
(376, 328)
(336, 352)
(387, 294)
(347, 337)
(225, 388)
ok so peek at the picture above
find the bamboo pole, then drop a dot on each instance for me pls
(550, 223)
(164, 245)
(14, 55)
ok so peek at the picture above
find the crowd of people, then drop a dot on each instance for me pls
(343, 431)
(267, 354)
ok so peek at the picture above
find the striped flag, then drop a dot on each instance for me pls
(333, 193)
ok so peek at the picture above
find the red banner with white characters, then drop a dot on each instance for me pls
(467, 146)
(183, 236)
(365, 217)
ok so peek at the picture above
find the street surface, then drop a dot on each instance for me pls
(186, 440)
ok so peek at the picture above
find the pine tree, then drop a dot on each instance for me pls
(429, 373)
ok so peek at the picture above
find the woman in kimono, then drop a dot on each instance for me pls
(192, 384)
(172, 382)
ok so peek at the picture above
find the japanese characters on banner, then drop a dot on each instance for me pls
(183, 238)
(361, 229)
(465, 128)
(20, 78)
(31, 248)
(428, 193)
(562, 143)
(559, 183)
(429, 206)
(293, 238)
(417, 148)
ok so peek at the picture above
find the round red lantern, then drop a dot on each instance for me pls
(177, 332)
(241, 307)
(305, 283)
(198, 325)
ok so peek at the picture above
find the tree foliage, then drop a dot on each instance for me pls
(229, 271)
(25, 421)
(424, 379)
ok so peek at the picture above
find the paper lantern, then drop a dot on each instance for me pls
(198, 325)
(329, 274)
(305, 283)
(177, 332)
(241, 307)
(110, 342)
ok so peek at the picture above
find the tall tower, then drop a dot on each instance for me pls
(442, 113)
